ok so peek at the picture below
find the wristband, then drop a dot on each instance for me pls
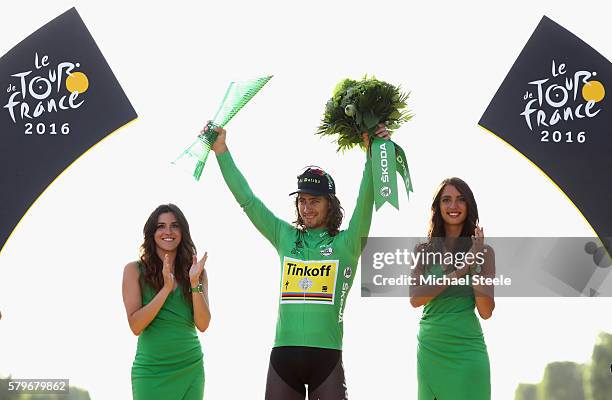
(476, 268)
(197, 289)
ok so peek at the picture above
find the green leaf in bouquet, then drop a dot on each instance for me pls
(395, 114)
(343, 86)
(345, 102)
(344, 141)
(358, 119)
(370, 120)
(373, 100)
(392, 126)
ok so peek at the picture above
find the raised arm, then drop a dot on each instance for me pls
(264, 220)
(359, 225)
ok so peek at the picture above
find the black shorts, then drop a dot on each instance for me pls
(293, 368)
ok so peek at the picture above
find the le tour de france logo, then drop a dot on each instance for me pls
(47, 87)
(563, 95)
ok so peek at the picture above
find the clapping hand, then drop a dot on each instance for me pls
(197, 267)
(168, 273)
(477, 240)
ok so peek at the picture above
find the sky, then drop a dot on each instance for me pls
(61, 271)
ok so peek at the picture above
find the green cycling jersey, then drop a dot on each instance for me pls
(317, 270)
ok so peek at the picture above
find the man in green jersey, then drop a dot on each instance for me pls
(318, 264)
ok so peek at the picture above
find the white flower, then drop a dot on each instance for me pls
(350, 110)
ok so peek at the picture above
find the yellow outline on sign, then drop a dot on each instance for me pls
(544, 173)
(59, 175)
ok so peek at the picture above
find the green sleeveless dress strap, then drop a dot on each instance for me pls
(452, 358)
(169, 362)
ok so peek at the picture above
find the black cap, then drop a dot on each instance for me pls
(315, 181)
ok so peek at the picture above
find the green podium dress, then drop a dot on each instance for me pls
(452, 358)
(169, 362)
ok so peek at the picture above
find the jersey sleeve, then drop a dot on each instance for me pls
(268, 224)
(359, 225)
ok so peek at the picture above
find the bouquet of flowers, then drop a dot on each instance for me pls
(359, 106)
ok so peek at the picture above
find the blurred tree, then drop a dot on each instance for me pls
(562, 381)
(598, 375)
(526, 391)
(4, 392)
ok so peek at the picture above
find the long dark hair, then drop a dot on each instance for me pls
(153, 265)
(436, 230)
(335, 213)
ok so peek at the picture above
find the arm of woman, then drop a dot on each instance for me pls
(420, 294)
(423, 294)
(485, 302)
(201, 310)
(140, 317)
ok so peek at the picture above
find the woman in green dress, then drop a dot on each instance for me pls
(452, 358)
(166, 297)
